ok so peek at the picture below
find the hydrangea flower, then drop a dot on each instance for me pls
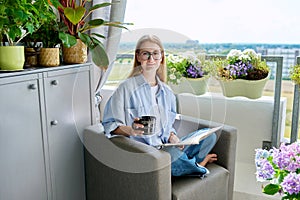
(281, 167)
(291, 183)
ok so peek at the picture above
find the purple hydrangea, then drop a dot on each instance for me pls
(287, 157)
(291, 183)
(264, 169)
(280, 166)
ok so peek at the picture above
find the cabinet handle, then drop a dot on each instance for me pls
(32, 86)
(54, 123)
(54, 82)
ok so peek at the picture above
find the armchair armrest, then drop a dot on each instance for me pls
(125, 167)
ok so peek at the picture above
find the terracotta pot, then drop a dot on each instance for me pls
(251, 89)
(75, 54)
(49, 57)
(197, 86)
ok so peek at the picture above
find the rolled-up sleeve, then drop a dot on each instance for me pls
(114, 114)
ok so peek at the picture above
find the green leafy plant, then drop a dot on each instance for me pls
(295, 74)
(19, 18)
(47, 35)
(77, 26)
(187, 65)
(245, 64)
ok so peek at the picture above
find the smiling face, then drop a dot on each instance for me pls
(148, 50)
(150, 56)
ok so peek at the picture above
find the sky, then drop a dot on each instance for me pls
(219, 21)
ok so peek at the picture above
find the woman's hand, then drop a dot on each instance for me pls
(130, 130)
(174, 139)
(136, 128)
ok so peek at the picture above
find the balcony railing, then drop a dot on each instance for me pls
(278, 60)
(295, 113)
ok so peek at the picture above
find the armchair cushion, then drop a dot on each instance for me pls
(214, 186)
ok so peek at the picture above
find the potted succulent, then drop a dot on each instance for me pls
(188, 73)
(77, 31)
(18, 18)
(242, 73)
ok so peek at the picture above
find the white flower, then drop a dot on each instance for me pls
(244, 57)
(251, 53)
(234, 53)
(172, 77)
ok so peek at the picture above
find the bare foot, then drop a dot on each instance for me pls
(208, 159)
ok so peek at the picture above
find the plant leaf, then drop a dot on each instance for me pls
(96, 22)
(271, 189)
(117, 24)
(99, 35)
(101, 5)
(100, 57)
(74, 15)
(86, 39)
(67, 39)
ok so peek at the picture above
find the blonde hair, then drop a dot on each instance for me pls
(162, 70)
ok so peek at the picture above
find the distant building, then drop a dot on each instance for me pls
(192, 42)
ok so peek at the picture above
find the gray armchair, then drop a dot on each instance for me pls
(121, 168)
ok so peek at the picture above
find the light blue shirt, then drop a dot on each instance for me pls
(132, 99)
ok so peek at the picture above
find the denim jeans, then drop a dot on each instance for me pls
(184, 162)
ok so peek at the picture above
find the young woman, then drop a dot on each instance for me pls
(145, 93)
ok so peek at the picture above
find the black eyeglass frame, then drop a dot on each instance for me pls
(149, 54)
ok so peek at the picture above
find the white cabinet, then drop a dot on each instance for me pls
(42, 117)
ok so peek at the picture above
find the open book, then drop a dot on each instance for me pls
(193, 140)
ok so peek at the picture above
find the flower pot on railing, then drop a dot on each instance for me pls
(188, 73)
(197, 86)
(252, 89)
(243, 73)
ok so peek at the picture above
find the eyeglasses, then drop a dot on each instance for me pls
(145, 55)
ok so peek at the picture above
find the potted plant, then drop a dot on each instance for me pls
(295, 74)
(18, 18)
(279, 169)
(49, 36)
(188, 73)
(43, 44)
(77, 31)
(242, 73)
